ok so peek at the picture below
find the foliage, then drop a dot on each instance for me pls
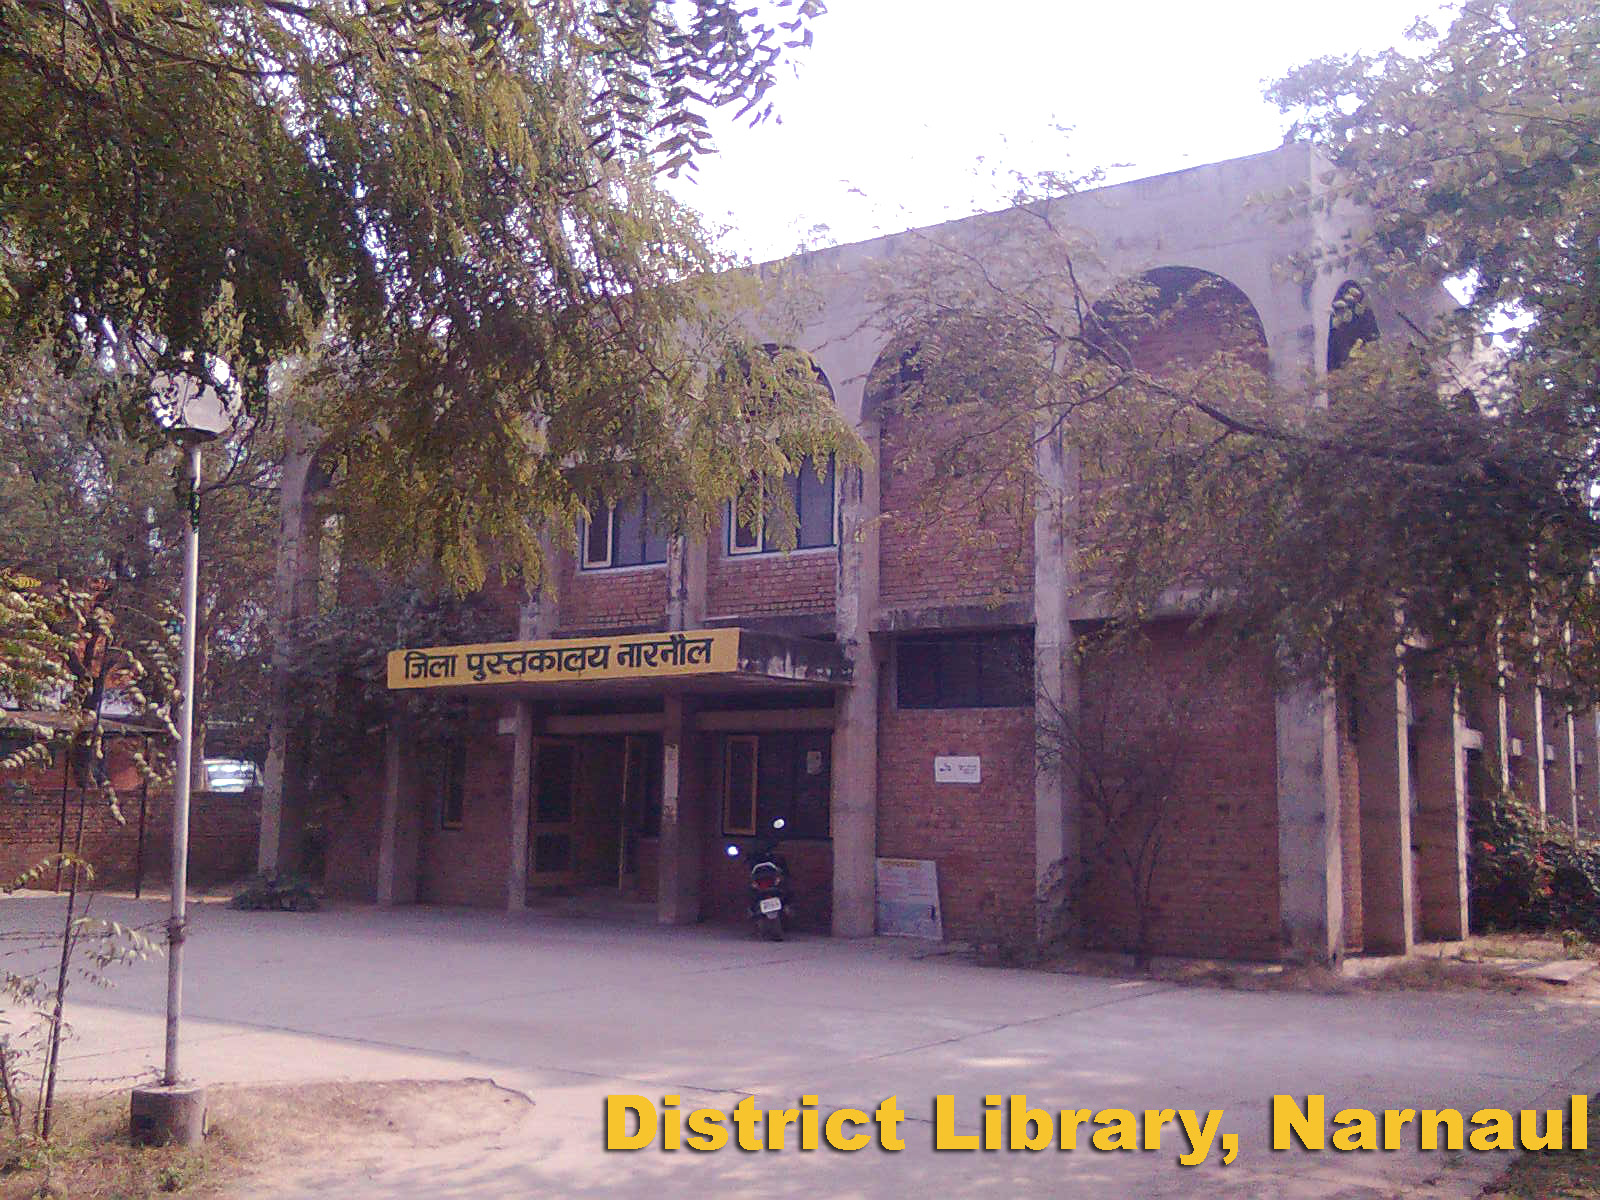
(1426, 478)
(1476, 155)
(91, 652)
(83, 501)
(1523, 874)
(450, 206)
(33, 985)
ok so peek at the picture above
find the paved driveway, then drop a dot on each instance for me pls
(569, 1010)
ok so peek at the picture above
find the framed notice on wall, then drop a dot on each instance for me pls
(908, 898)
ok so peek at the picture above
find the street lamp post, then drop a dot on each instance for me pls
(174, 1111)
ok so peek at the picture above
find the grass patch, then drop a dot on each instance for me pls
(91, 1158)
(1555, 1174)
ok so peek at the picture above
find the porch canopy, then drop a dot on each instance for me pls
(636, 663)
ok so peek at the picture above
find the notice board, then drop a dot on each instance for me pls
(908, 898)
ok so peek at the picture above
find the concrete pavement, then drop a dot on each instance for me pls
(569, 1011)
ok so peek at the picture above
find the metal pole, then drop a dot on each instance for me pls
(144, 800)
(180, 799)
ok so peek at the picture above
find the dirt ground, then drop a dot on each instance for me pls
(266, 1141)
(1489, 962)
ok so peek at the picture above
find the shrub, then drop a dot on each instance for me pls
(276, 893)
(1522, 876)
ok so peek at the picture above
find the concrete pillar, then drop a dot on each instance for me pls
(522, 749)
(1526, 742)
(1483, 710)
(1561, 775)
(684, 816)
(399, 823)
(686, 582)
(1586, 755)
(535, 619)
(1388, 903)
(1440, 828)
(854, 792)
(1055, 815)
(1310, 869)
(296, 574)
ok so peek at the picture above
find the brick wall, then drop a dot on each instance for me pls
(945, 540)
(352, 827)
(1349, 828)
(619, 597)
(1216, 885)
(223, 827)
(469, 865)
(981, 835)
(769, 584)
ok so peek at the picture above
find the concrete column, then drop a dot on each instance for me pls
(1525, 737)
(684, 805)
(854, 793)
(1310, 869)
(1388, 903)
(399, 823)
(1561, 776)
(1586, 744)
(1055, 816)
(522, 748)
(535, 619)
(1484, 711)
(686, 582)
(1440, 830)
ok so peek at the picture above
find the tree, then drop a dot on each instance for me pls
(453, 202)
(77, 655)
(83, 502)
(1427, 490)
(1477, 156)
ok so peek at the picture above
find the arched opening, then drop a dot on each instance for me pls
(799, 510)
(1174, 318)
(1352, 323)
(954, 431)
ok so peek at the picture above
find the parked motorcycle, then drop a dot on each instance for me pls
(771, 901)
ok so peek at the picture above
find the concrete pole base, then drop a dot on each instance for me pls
(168, 1116)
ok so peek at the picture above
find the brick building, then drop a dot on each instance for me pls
(821, 684)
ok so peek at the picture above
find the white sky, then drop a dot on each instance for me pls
(907, 112)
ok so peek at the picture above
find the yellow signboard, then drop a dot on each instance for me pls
(633, 656)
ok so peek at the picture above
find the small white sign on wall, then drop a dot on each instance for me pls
(958, 768)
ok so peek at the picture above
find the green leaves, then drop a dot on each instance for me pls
(453, 203)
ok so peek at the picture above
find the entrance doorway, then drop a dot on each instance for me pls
(594, 813)
(552, 844)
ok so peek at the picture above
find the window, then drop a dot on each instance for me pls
(974, 670)
(1351, 324)
(785, 775)
(624, 535)
(740, 765)
(812, 494)
(450, 781)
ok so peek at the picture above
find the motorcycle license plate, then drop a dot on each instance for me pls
(771, 905)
